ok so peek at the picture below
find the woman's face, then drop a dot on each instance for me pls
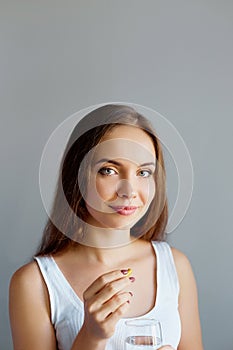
(121, 185)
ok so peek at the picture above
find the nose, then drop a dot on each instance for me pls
(124, 189)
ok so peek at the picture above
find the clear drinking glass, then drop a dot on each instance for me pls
(143, 334)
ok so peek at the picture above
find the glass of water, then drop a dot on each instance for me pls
(143, 333)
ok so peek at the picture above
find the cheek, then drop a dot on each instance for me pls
(92, 197)
(152, 190)
(106, 187)
(148, 190)
(100, 190)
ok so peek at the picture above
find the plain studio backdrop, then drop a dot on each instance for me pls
(175, 57)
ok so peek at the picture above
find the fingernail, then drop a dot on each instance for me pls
(131, 294)
(132, 279)
(128, 301)
(126, 272)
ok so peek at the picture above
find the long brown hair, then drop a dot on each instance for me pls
(86, 135)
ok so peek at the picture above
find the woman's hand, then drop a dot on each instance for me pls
(105, 301)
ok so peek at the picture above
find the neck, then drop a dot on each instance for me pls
(106, 247)
(105, 238)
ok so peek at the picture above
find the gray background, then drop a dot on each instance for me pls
(58, 57)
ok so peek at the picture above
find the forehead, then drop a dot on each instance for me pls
(126, 142)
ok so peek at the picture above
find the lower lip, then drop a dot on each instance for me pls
(125, 212)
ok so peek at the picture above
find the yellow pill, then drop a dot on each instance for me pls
(129, 272)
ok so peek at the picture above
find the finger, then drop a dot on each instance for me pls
(114, 317)
(110, 290)
(104, 279)
(113, 304)
(166, 347)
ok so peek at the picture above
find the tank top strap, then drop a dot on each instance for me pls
(46, 272)
(61, 295)
(167, 278)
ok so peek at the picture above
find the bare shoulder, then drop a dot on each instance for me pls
(26, 270)
(29, 310)
(183, 267)
(180, 259)
(28, 275)
(27, 282)
(184, 271)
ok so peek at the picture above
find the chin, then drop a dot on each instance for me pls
(113, 220)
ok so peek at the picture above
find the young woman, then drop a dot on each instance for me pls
(103, 257)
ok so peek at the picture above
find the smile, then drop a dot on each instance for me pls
(124, 210)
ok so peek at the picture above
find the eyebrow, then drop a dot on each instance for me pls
(105, 160)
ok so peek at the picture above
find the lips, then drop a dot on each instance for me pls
(124, 210)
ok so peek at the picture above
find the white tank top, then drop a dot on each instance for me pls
(67, 311)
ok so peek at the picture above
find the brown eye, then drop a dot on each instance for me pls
(107, 171)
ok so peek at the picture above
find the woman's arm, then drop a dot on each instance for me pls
(105, 302)
(191, 338)
(29, 311)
